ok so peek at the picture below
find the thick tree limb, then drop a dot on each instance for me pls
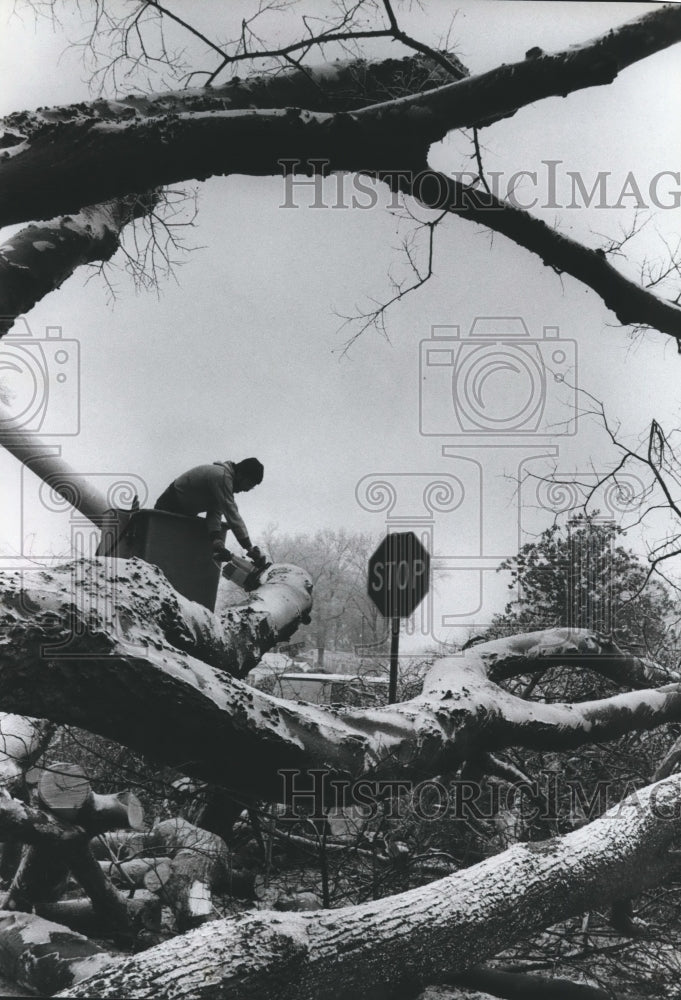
(86, 160)
(148, 613)
(631, 303)
(331, 87)
(138, 680)
(64, 158)
(40, 258)
(370, 951)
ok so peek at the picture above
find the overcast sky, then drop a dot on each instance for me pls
(241, 353)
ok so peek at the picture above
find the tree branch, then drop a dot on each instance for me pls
(90, 161)
(630, 302)
(139, 681)
(40, 258)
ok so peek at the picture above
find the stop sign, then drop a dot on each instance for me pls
(399, 574)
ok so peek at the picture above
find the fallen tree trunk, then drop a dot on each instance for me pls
(375, 949)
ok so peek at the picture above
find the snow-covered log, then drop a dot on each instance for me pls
(200, 865)
(149, 618)
(44, 956)
(372, 950)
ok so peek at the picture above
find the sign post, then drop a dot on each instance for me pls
(399, 578)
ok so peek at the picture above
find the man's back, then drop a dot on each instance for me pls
(206, 487)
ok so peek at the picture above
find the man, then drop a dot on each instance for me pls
(211, 488)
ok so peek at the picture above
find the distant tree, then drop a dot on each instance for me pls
(343, 617)
(579, 576)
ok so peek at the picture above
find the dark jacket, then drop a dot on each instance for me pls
(210, 488)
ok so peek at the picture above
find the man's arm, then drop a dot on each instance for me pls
(230, 511)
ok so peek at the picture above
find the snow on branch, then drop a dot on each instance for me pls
(90, 158)
(376, 948)
(39, 258)
(157, 677)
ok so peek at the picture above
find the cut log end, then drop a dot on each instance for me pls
(64, 789)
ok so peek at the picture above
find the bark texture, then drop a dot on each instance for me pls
(369, 951)
(139, 680)
(95, 159)
(40, 258)
(99, 153)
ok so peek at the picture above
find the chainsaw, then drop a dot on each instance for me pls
(243, 572)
